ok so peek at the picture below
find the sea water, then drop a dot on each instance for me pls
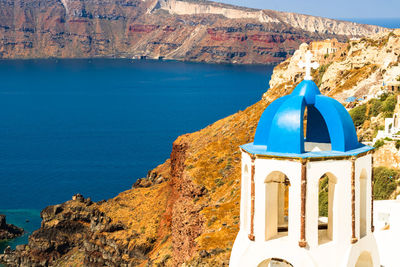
(95, 126)
(392, 23)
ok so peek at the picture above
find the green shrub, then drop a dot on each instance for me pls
(379, 143)
(321, 71)
(397, 144)
(358, 115)
(383, 96)
(376, 107)
(385, 182)
(388, 105)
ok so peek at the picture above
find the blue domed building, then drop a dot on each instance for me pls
(306, 187)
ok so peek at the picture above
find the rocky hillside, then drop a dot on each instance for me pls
(308, 23)
(186, 211)
(362, 68)
(160, 29)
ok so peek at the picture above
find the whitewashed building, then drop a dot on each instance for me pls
(282, 171)
(387, 231)
(392, 125)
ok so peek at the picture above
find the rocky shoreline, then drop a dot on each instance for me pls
(8, 231)
(68, 229)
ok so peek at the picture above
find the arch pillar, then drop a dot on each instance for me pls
(372, 193)
(302, 241)
(252, 198)
(353, 201)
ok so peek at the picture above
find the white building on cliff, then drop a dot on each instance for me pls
(282, 173)
(392, 125)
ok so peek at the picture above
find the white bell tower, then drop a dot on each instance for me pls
(306, 194)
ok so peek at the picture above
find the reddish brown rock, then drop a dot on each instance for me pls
(159, 29)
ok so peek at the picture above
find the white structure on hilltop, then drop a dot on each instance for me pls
(387, 230)
(392, 125)
(282, 173)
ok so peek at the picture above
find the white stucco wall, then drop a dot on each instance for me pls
(387, 212)
(245, 203)
(251, 253)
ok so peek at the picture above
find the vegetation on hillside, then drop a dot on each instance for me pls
(365, 115)
(385, 105)
(386, 182)
(319, 73)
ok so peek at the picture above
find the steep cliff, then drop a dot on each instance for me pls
(186, 211)
(308, 23)
(167, 29)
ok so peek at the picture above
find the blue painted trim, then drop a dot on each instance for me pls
(262, 150)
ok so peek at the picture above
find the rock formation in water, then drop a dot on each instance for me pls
(186, 211)
(160, 29)
(8, 231)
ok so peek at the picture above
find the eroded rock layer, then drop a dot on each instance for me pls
(160, 29)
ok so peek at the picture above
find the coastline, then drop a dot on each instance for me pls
(28, 219)
(150, 60)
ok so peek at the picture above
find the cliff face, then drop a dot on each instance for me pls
(308, 23)
(170, 29)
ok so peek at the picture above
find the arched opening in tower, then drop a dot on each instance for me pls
(364, 260)
(326, 197)
(274, 262)
(315, 130)
(363, 203)
(277, 186)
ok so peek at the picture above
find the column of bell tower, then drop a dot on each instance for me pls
(306, 201)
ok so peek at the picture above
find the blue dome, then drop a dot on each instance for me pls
(281, 126)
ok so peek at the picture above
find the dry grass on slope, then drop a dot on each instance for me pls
(213, 162)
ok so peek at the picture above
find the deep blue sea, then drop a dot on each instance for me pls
(95, 126)
(383, 22)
